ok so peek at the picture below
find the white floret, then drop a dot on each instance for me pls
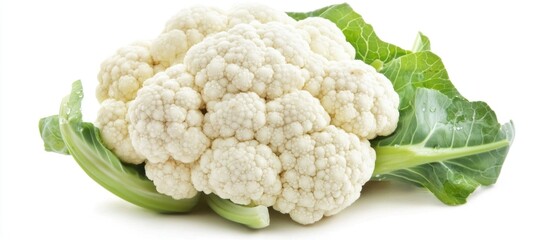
(111, 120)
(169, 48)
(291, 115)
(198, 22)
(326, 39)
(191, 25)
(239, 115)
(247, 13)
(122, 74)
(323, 173)
(261, 58)
(178, 73)
(165, 119)
(359, 99)
(172, 178)
(244, 172)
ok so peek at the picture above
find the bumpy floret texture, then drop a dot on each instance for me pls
(197, 22)
(292, 115)
(244, 172)
(239, 115)
(359, 99)
(123, 73)
(250, 105)
(172, 178)
(169, 48)
(323, 173)
(113, 122)
(251, 12)
(325, 39)
(165, 119)
(260, 58)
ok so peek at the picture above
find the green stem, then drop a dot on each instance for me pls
(253, 217)
(82, 139)
(392, 158)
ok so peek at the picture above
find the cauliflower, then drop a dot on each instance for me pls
(113, 122)
(292, 115)
(166, 120)
(250, 105)
(172, 178)
(323, 173)
(326, 39)
(256, 12)
(198, 22)
(244, 172)
(260, 58)
(239, 115)
(359, 99)
(123, 74)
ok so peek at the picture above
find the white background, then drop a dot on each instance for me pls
(495, 51)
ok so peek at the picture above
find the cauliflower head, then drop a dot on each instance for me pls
(250, 105)
(112, 119)
(323, 173)
(246, 172)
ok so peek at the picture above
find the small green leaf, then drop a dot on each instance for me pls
(422, 43)
(49, 131)
(377, 64)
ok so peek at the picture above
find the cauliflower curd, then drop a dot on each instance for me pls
(250, 105)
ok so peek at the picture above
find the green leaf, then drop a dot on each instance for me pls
(49, 131)
(422, 43)
(361, 35)
(448, 146)
(126, 181)
(418, 70)
(67, 133)
(443, 142)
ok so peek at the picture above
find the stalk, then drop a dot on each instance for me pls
(392, 158)
(82, 140)
(254, 217)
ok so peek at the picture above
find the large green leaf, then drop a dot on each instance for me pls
(360, 34)
(450, 146)
(83, 141)
(418, 70)
(443, 142)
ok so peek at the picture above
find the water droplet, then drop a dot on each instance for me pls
(432, 109)
(423, 109)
